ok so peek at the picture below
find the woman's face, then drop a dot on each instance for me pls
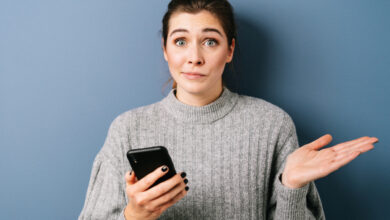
(197, 51)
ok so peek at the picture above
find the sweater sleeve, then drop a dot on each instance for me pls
(286, 203)
(106, 194)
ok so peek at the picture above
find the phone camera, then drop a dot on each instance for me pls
(134, 159)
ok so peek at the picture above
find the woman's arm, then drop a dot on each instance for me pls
(106, 196)
(296, 195)
(284, 202)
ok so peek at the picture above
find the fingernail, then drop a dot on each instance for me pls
(185, 181)
(183, 174)
(187, 188)
(164, 168)
(131, 172)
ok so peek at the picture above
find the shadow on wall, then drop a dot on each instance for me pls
(252, 70)
(251, 60)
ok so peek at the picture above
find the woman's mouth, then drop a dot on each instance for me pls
(190, 75)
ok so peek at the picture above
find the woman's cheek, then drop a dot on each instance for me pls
(174, 65)
(177, 59)
(219, 61)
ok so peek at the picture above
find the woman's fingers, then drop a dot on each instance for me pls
(320, 142)
(165, 186)
(173, 201)
(130, 178)
(356, 145)
(147, 181)
(354, 142)
(351, 149)
(351, 142)
(343, 161)
(168, 196)
(361, 149)
(355, 148)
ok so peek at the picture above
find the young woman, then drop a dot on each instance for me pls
(240, 154)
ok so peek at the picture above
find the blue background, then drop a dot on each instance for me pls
(68, 68)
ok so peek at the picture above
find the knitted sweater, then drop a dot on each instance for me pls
(233, 151)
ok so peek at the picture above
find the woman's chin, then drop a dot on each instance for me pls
(193, 87)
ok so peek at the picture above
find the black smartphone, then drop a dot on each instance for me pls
(145, 160)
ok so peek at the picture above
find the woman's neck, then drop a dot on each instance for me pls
(198, 99)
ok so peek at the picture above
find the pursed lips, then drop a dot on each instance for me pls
(193, 73)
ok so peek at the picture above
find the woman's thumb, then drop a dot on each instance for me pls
(130, 178)
(320, 142)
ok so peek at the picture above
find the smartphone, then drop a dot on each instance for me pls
(145, 160)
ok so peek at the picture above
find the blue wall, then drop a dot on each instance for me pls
(68, 68)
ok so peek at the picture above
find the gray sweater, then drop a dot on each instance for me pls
(233, 151)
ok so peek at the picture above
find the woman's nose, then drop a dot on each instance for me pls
(195, 56)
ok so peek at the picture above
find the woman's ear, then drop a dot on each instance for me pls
(164, 50)
(231, 51)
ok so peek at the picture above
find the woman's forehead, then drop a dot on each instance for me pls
(201, 22)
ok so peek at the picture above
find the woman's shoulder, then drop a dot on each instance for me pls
(259, 106)
(130, 115)
(264, 111)
(141, 110)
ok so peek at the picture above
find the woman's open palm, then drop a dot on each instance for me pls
(309, 163)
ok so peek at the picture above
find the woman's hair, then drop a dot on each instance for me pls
(219, 8)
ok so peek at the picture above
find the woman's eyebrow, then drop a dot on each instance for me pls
(204, 30)
(212, 30)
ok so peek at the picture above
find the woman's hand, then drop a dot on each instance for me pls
(308, 163)
(148, 204)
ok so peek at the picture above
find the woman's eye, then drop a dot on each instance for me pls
(211, 42)
(180, 42)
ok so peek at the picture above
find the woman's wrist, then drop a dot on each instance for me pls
(127, 214)
(287, 180)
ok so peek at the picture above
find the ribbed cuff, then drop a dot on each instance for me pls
(291, 203)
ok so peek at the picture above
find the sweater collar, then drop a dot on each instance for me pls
(200, 114)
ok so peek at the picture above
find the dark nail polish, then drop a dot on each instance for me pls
(164, 168)
(187, 188)
(185, 181)
(183, 174)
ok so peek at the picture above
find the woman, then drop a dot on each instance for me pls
(240, 154)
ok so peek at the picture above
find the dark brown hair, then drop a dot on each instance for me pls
(219, 8)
